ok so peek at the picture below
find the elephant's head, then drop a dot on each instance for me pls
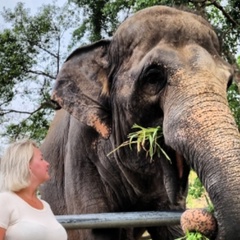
(162, 67)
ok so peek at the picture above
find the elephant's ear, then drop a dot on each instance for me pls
(82, 86)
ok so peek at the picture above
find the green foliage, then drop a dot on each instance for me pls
(21, 61)
(146, 139)
(95, 21)
(210, 207)
(196, 189)
(32, 49)
(234, 102)
(197, 195)
(34, 127)
(193, 236)
(226, 22)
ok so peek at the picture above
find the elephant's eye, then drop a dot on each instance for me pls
(154, 79)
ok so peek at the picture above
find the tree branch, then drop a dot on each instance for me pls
(217, 5)
(45, 50)
(41, 73)
(47, 104)
(6, 102)
(6, 111)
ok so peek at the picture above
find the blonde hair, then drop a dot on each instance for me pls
(14, 165)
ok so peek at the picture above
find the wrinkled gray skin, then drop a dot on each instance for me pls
(161, 68)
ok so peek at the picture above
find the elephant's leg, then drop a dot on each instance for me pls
(165, 233)
(85, 192)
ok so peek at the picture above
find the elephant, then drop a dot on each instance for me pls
(161, 68)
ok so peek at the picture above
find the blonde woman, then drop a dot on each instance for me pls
(23, 216)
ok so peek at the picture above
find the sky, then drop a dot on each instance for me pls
(33, 5)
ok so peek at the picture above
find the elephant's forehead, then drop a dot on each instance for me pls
(146, 28)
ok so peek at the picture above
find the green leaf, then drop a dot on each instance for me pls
(140, 137)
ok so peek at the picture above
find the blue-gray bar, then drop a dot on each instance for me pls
(118, 220)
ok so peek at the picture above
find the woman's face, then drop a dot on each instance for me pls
(39, 167)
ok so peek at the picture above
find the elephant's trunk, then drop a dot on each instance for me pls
(205, 133)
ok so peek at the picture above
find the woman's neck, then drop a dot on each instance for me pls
(28, 192)
(30, 196)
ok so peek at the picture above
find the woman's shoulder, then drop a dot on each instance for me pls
(6, 197)
(6, 194)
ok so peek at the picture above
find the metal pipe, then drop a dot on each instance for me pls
(119, 220)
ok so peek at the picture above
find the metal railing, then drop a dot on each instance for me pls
(119, 220)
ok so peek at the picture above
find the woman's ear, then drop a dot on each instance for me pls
(82, 86)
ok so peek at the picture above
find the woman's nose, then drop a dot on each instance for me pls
(47, 162)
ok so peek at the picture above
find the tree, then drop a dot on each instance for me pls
(32, 50)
